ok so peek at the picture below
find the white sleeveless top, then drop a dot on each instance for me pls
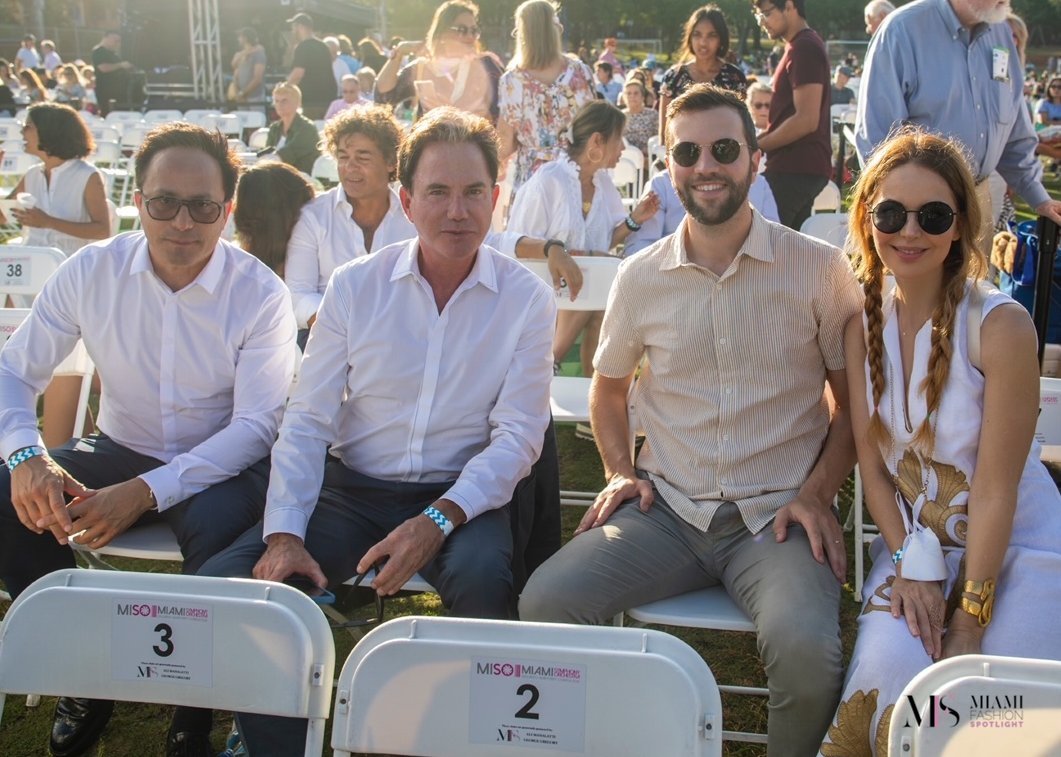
(1037, 521)
(63, 197)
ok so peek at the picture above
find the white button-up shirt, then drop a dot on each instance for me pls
(195, 378)
(327, 236)
(402, 392)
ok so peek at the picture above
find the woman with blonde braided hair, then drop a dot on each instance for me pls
(944, 397)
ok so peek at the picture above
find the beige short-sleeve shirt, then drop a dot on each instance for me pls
(731, 397)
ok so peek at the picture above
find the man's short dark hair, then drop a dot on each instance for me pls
(28, 38)
(250, 34)
(375, 122)
(799, 5)
(446, 125)
(605, 66)
(61, 132)
(181, 134)
(702, 97)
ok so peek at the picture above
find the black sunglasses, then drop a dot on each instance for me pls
(378, 602)
(724, 151)
(166, 208)
(934, 218)
(465, 31)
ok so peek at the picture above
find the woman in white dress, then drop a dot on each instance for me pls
(970, 520)
(69, 211)
(573, 200)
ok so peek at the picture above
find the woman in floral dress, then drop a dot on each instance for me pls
(540, 93)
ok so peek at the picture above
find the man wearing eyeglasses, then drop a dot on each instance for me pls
(951, 67)
(741, 321)
(797, 141)
(193, 340)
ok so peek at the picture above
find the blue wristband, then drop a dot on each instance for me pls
(898, 556)
(631, 223)
(445, 524)
(24, 454)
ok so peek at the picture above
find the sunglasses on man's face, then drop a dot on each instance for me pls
(889, 217)
(166, 208)
(724, 151)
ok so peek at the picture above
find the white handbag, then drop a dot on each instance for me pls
(922, 553)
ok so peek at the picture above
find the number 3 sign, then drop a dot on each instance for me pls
(165, 643)
(529, 703)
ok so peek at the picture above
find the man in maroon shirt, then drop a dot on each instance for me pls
(796, 142)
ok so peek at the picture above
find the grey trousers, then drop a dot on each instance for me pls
(640, 557)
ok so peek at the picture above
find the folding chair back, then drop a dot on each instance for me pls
(24, 269)
(828, 200)
(162, 116)
(326, 170)
(828, 227)
(251, 119)
(230, 644)
(598, 273)
(979, 706)
(10, 320)
(457, 687)
(258, 138)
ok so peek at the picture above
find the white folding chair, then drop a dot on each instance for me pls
(133, 135)
(828, 200)
(10, 130)
(14, 166)
(162, 115)
(828, 227)
(251, 119)
(223, 643)
(195, 115)
(1048, 425)
(450, 687)
(24, 269)
(124, 117)
(627, 177)
(326, 170)
(11, 319)
(657, 153)
(258, 138)
(979, 706)
(107, 132)
(227, 123)
(569, 395)
(843, 113)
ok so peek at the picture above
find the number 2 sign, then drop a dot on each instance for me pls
(164, 643)
(528, 703)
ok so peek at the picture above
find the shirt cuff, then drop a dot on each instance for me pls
(505, 242)
(306, 306)
(285, 520)
(1036, 195)
(165, 485)
(464, 494)
(18, 439)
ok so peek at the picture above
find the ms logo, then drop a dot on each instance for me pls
(937, 709)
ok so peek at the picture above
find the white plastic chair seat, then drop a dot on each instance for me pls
(986, 693)
(151, 542)
(250, 646)
(569, 399)
(420, 686)
(704, 608)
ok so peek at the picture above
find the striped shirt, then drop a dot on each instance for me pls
(731, 399)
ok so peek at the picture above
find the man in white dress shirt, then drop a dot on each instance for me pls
(194, 343)
(362, 214)
(427, 375)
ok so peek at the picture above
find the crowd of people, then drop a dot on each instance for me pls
(762, 364)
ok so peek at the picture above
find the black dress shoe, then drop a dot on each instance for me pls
(78, 724)
(189, 744)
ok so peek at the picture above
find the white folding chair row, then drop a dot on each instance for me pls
(124, 117)
(195, 115)
(11, 130)
(221, 643)
(228, 124)
(14, 166)
(108, 154)
(133, 135)
(979, 706)
(828, 200)
(111, 132)
(251, 119)
(455, 687)
(162, 116)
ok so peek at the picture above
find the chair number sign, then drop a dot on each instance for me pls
(14, 270)
(158, 642)
(527, 703)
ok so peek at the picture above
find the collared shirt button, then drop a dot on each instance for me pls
(729, 390)
(722, 340)
(725, 437)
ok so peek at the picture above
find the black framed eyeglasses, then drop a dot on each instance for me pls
(465, 31)
(934, 218)
(166, 208)
(724, 151)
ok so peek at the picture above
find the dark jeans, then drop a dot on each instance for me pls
(204, 524)
(794, 194)
(472, 572)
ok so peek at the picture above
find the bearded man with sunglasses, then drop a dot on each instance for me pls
(741, 321)
(193, 340)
